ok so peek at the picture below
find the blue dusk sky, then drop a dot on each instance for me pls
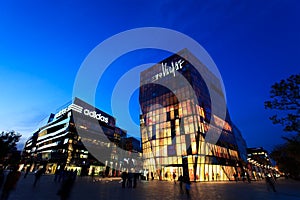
(43, 44)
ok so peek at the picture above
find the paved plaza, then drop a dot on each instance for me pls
(85, 189)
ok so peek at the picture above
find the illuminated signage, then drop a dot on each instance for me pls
(95, 115)
(70, 107)
(167, 70)
(81, 110)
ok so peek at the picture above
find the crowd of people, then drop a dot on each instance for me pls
(129, 180)
(9, 182)
(67, 178)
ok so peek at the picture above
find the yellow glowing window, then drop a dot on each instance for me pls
(183, 148)
(192, 136)
(190, 159)
(165, 151)
(177, 129)
(161, 142)
(186, 129)
(178, 140)
(157, 142)
(168, 132)
(178, 148)
(182, 139)
(169, 140)
(175, 160)
(194, 150)
(191, 127)
(180, 112)
(172, 114)
(184, 111)
(171, 107)
(157, 118)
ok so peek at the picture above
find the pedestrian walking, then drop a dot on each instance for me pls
(235, 177)
(74, 174)
(93, 174)
(188, 187)
(124, 179)
(248, 177)
(270, 182)
(38, 175)
(66, 186)
(130, 180)
(56, 174)
(10, 182)
(1, 177)
(27, 171)
(174, 177)
(180, 179)
(135, 177)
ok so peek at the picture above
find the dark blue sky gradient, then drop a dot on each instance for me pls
(43, 43)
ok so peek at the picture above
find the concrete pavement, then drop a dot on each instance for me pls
(85, 189)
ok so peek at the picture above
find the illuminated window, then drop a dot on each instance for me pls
(183, 148)
(170, 140)
(179, 112)
(161, 142)
(184, 111)
(172, 114)
(192, 136)
(194, 150)
(178, 141)
(191, 128)
(178, 149)
(186, 129)
(182, 139)
(177, 129)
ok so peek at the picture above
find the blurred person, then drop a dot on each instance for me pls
(270, 182)
(1, 177)
(180, 179)
(10, 182)
(124, 179)
(38, 175)
(26, 172)
(188, 187)
(66, 186)
(248, 177)
(174, 177)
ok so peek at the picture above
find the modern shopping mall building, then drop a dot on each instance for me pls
(178, 126)
(79, 136)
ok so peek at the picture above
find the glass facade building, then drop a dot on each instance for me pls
(58, 143)
(259, 163)
(176, 116)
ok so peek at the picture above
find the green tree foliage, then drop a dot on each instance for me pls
(285, 99)
(8, 146)
(287, 156)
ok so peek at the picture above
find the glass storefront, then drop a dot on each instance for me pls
(59, 144)
(174, 124)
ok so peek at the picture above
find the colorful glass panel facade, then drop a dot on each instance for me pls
(176, 115)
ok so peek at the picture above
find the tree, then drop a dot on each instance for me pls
(8, 145)
(285, 97)
(287, 156)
